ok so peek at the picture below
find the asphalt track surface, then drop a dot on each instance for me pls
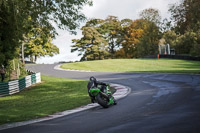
(158, 103)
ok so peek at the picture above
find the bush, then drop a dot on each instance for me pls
(12, 70)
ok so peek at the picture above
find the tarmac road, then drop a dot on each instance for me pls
(158, 103)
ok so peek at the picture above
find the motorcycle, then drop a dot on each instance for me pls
(103, 95)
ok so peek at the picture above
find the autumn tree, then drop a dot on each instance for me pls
(112, 38)
(131, 39)
(122, 35)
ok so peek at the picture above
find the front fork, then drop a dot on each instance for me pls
(111, 98)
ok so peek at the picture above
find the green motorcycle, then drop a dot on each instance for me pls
(102, 95)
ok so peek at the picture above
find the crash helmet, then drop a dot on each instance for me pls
(93, 79)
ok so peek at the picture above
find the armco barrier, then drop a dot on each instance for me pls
(12, 87)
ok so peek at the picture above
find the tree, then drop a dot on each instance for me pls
(120, 52)
(194, 51)
(102, 39)
(111, 38)
(133, 33)
(15, 23)
(165, 25)
(10, 31)
(111, 29)
(151, 15)
(148, 43)
(140, 39)
(92, 45)
(186, 43)
(170, 38)
(39, 43)
(187, 24)
(186, 15)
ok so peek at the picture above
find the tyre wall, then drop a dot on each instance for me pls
(12, 87)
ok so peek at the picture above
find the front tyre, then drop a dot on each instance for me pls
(102, 100)
(115, 102)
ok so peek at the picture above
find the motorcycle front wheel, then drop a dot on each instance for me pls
(102, 100)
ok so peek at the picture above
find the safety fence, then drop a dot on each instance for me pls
(12, 87)
(181, 57)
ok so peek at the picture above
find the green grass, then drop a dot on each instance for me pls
(53, 95)
(137, 65)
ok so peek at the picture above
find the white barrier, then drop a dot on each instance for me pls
(38, 77)
(28, 81)
(13, 87)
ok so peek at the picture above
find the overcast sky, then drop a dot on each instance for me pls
(102, 9)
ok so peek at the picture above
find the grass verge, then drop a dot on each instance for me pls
(53, 95)
(137, 65)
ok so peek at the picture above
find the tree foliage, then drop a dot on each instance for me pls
(111, 30)
(186, 17)
(10, 31)
(19, 17)
(148, 43)
(39, 43)
(188, 43)
(112, 38)
(92, 45)
(131, 39)
(138, 38)
(170, 38)
(151, 15)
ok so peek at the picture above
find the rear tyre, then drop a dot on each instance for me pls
(102, 100)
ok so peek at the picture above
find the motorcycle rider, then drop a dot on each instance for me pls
(93, 83)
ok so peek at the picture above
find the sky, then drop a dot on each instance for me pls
(102, 9)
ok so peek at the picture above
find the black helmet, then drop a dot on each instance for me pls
(93, 79)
